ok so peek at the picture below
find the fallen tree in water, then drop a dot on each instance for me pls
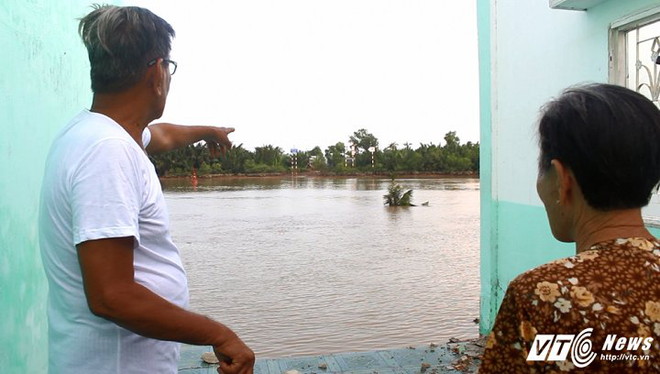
(397, 197)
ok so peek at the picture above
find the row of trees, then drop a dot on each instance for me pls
(452, 157)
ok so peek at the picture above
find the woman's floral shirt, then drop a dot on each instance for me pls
(613, 288)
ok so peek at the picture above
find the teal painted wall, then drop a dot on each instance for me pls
(528, 54)
(488, 209)
(43, 83)
(524, 233)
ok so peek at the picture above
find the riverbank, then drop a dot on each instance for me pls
(454, 356)
(333, 175)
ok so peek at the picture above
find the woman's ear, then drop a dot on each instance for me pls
(565, 182)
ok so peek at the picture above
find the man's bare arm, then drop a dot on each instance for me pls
(166, 137)
(113, 294)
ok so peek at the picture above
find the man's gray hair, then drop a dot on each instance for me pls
(121, 41)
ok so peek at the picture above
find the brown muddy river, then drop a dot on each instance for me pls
(318, 265)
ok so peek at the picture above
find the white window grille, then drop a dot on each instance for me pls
(643, 50)
(634, 57)
(635, 53)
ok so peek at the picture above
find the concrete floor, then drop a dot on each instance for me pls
(453, 357)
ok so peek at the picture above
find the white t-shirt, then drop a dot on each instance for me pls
(98, 183)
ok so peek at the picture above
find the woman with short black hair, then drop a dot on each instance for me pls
(599, 164)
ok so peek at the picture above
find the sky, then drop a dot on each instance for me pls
(302, 73)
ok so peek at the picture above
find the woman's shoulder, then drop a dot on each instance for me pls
(550, 283)
(607, 258)
(558, 272)
(611, 281)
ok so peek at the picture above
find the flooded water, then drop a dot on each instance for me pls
(318, 265)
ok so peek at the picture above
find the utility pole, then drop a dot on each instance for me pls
(373, 152)
(294, 161)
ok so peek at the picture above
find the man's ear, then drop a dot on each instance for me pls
(565, 182)
(155, 77)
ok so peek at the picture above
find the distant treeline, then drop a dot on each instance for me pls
(452, 158)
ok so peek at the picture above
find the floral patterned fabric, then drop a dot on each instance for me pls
(613, 288)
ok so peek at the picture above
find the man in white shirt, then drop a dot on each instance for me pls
(117, 289)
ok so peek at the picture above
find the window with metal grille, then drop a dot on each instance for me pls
(643, 57)
(635, 63)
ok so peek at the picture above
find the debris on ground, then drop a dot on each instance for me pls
(470, 354)
(456, 355)
(462, 364)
